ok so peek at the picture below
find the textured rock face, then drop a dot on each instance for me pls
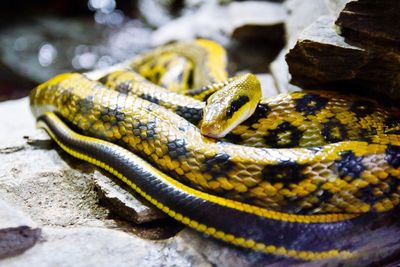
(300, 15)
(372, 23)
(362, 52)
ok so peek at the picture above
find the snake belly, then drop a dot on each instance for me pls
(176, 147)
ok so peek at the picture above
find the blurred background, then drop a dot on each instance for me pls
(39, 39)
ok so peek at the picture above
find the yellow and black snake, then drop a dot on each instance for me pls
(329, 177)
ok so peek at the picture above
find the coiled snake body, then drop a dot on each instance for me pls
(312, 201)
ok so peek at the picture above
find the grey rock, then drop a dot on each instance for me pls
(11, 217)
(122, 201)
(154, 12)
(18, 121)
(302, 14)
(268, 86)
(208, 21)
(91, 246)
(16, 240)
(336, 6)
(260, 20)
(280, 74)
(257, 21)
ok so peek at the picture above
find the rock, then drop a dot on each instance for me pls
(257, 21)
(18, 121)
(280, 74)
(37, 51)
(336, 6)
(321, 57)
(251, 56)
(89, 246)
(122, 201)
(244, 20)
(372, 24)
(16, 240)
(18, 232)
(159, 12)
(267, 85)
(301, 15)
(11, 217)
(208, 21)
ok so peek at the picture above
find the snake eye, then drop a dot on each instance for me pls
(236, 105)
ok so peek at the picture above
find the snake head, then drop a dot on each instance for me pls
(230, 106)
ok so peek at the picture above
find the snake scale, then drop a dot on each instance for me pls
(305, 180)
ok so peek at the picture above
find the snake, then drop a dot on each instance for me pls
(305, 180)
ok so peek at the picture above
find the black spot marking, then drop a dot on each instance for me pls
(177, 148)
(152, 64)
(349, 165)
(66, 96)
(190, 80)
(292, 136)
(185, 127)
(218, 165)
(362, 108)
(207, 95)
(261, 111)
(284, 172)
(150, 98)
(309, 104)
(156, 77)
(166, 64)
(319, 198)
(334, 131)
(114, 116)
(104, 79)
(234, 138)
(366, 134)
(150, 130)
(85, 105)
(193, 115)
(393, 156)
(392, 125)
(374, 193)
(145, 130)
(236, 105)
(124, 87)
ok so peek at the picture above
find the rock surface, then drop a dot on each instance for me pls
(373, 24)
(361, 58)
(14, 241)
(300, 15)
(123, 201)
(240, 20)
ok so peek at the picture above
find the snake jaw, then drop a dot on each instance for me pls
(212, 130)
